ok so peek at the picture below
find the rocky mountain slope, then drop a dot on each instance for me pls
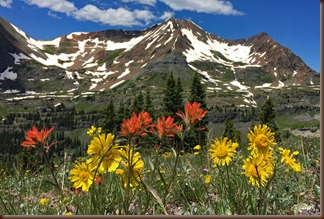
(97, 61)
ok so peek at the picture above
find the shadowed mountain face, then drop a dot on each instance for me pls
(97, 61)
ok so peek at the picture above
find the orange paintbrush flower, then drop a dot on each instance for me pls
(35, 138)
(193, 113)
(165, 127)
(136, 126)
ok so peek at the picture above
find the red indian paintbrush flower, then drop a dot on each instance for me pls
(35, 138)
(165, 128)
(193, 113)
(137, 125)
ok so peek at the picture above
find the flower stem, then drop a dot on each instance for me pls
(52, 172)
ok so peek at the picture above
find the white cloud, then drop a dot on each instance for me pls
(51, 14)
(166, 15)
(144, 2)
(206, 6)
(5, 3)
(126, 16)
(54, 5)
(120, 16)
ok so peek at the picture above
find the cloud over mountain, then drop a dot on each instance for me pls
(119, 13)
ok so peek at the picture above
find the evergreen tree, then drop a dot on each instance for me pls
(198, 92)
(179, 91)
(108, 123)
(120, 115)
(229, 131)
(148, 106)
(172, 100)
(267, 115)
(138, 103)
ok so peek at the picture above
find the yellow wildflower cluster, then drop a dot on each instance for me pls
(197, 149)
(107, 156)
(260, 164)
(93, 131)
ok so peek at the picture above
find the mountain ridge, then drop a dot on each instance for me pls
(97, 61)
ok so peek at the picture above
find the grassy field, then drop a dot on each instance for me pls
(165, 180)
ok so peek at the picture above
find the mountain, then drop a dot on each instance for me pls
(98, 61)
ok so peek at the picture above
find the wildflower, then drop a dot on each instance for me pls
(76, 191)
(82, 176)
(261, 140)
(197, 147)
(222, 152)
(193, 114)
(37, 139)
(205, 170)
(132, 167)
(289, 160)
(207, 179)
(43, 201)
(196, 153)
(165, 128)
(136, 126)
(166, 155)
(104, 151)
(98, 180)
(257, 169)
(68, 213)
(91, 131)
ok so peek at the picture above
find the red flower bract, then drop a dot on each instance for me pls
(136, 126)
(35, 138)
(165, 128)
(193, 113)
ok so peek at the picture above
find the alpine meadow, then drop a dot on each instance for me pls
(168, 120)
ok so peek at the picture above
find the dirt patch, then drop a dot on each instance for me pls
(306, 133)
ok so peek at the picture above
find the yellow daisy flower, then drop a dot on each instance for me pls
(102, 146)
(132, 167)
(289, 160)
(261, 140)
(257, 169)
(197, 147)
(43, 201)
(207, 179)
(222, 152)
(82, 176)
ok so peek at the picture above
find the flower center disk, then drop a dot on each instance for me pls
(221, 151)
(261, 141)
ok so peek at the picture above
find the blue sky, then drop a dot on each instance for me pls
(292, 23)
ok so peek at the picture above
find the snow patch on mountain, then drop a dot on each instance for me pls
(13, 91)
(18, 57)
(8, 74)
(204, 73)
(239, 85)
(71, 35)
(126, 72)
(128, 45)
(116, 84)
(205, 51)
